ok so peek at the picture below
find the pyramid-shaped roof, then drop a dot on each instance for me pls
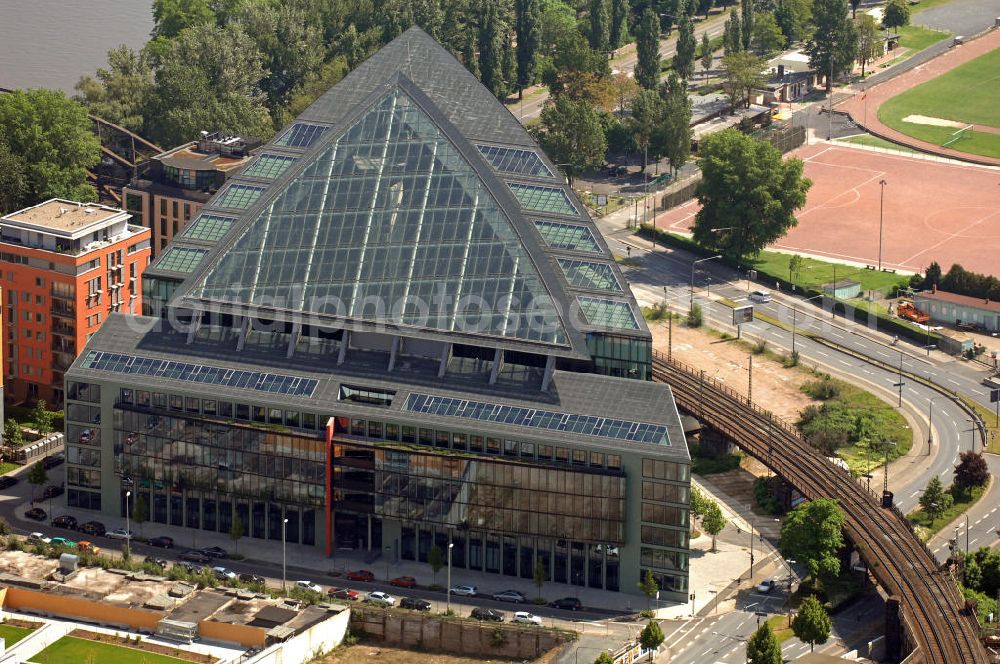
(407, 196)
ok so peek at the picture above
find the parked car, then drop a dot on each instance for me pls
(343, 593)
(569, 603)
(120, 534)
(62, 541)
(195, 556)
(465, 591)
(65, 521)
(153, 560)
(215, 552)
(404, 582)
(224, 574)
(88, 546)
(52, 491)
(525, 618)
(380, 598)
(360, 575)
(414, 603)
(309, 585)
(252, 578)
(480, 613)
(162, 541)
(36, 514)
(760, 296)
(38, 538)
(7, 481)
(510, 596)
(53, 460)
(93, 528)
(190, 567)
(766, 586)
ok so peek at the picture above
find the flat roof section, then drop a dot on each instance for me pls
(70, 217)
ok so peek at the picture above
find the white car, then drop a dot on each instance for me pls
(525, 618)
(224, 573)
(120, 534)
(766, 586)
(465, 591)
(380, 598)
(309, 585)
(761, 296)
(38, 538)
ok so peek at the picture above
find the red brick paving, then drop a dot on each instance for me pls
(933, 211)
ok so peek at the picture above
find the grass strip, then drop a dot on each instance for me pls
(926, 529)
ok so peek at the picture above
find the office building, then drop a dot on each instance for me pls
(396, 328)
(169, 190)
(65, 267)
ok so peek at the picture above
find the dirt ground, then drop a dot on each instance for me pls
(727, 361)
(378, 654)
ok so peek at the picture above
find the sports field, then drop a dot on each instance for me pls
(71, 650)
(967, 95)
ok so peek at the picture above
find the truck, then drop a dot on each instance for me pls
(905, 309)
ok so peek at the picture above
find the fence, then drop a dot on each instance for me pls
(785, 138)
(31, 452)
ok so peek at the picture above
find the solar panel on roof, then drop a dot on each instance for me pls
(200, 373)
(588, 425)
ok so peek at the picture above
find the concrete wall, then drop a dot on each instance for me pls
(79, 608)
(455, 636)
(245, 635)
(320, 638)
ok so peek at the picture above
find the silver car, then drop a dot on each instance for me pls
(510, 596)
(465, 591)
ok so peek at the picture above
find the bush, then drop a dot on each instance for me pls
(762, 495)
(695, 317)
(760, 347)
(793, 359)
(647, 613)
(823, 389)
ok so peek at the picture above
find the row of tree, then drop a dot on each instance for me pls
(960, 281)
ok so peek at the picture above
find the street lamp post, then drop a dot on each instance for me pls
(881, 198)
(451, 545)
(284, 526)
(794, 314)
(693, 263)
(930, 424)
(128, 533)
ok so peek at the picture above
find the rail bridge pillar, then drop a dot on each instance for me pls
(893, 630)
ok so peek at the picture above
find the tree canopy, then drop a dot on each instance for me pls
(896, 15)
(748, 190)
(763, 647)
(647, 44)
(713, 521)
(834, 39)
(813, 535)
(742, 75)
(812, 624)
(571, 134)
(971, 471)
(935, 500)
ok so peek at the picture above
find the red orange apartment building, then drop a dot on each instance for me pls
(64, 266)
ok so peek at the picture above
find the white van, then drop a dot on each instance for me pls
(761, 296)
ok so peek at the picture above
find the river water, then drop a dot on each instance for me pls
(51, 43)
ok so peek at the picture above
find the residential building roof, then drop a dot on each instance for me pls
(65, 218)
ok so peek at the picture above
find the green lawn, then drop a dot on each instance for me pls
(875, 142)
(71, 650)
(7, 466)
(928, 529)
(917, 38)
(815, 272)
(967, 94)
(12, 635)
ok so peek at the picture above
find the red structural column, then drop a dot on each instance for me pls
(328, 498)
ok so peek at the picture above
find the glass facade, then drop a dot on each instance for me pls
(208, 227)
(513, 160)
(608, 313)
(238, 196)
(590, 275)
(621, 355)
(269, 166)
(156, 292)
(543, 199)
(389, 213)
(181, 259)
(567, 236)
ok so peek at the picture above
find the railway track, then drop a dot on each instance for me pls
(932, 607)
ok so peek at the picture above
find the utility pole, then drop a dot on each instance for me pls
(750, 382)
(881, 198)
(670, 335)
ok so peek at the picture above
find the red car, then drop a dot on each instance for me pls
(404, 582)
(360, 575)
(342, 593)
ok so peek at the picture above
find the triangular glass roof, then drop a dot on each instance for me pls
(389, 223)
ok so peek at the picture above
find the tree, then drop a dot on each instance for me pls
(733, 35)
(491, 30)
(645, 124)
(173, 16)
(698, 503)
(538, 575)
(870, 42)
(604, 658)
(42, 417)
(435, 558)
(651, 637)
(714, 521)
(13, 181)
(600, 25)
(675, 128)
(766, 37)
(834, 41)
(619, 23)
(971, 471)
(121, 93)
(647, 45)
(897, 14)
(571, 133)
(12, 434)
(37, 476)
(747, 186)
(140, 511)
(794, 17)
(51, 135)
(527, 27)
(741, 76)
(746, 23)
(236, 531)
(706, 53)
(854, 8)
(763, 647)
(686, 48)
(935, 500)
(695, 316)
(794, 266)
(649, 587)
(625, 89)
(811, 624)
(704, 7)
(469, 57)
(813, 535)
